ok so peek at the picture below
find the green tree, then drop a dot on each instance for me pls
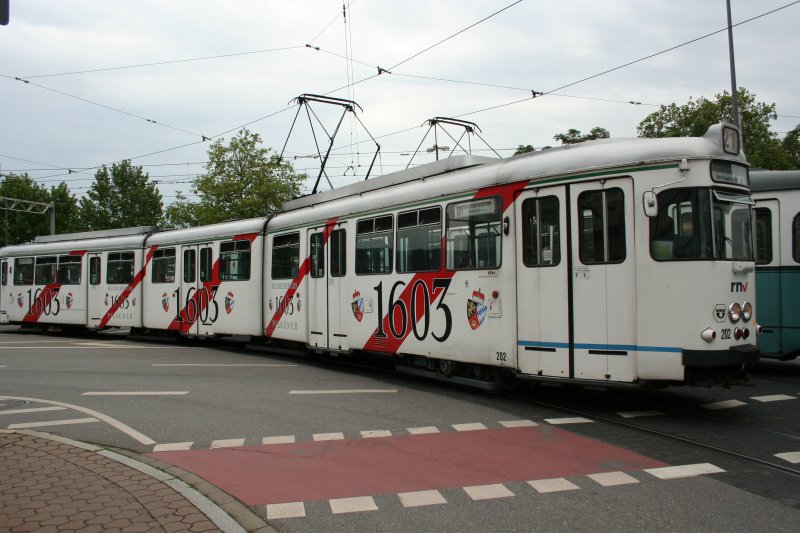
(575, 136)
(243, 180)
(791, 145)
(524, 149)
(23, 227)
(693, 119)
(122, 196)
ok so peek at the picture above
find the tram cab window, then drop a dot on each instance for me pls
(164, 265)
(286, 256)
(46, 268)
(234, 261)
(374, 245)
(419, 240)
(317, 245)
(119, 268)
(474, 234)
(4, 274)
(540, 232)
(708, 225)
(763, 218)
(602, 226)
(23, 271)
(94, 270)
(69, 270)
(796, 238)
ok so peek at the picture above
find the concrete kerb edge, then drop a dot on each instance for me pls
(228, 521)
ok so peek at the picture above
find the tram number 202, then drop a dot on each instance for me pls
(412, 309)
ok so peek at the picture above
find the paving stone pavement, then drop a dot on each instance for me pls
(48, 483)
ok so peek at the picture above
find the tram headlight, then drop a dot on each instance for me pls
(747, 311)
(735, 312)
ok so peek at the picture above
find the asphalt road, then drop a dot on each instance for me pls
(317, 445)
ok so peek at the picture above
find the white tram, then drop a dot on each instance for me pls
(615, 262)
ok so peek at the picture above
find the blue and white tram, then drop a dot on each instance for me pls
(777, 197)
(626, 262)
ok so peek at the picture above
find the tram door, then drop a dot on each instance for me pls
(96, 300)
(603, 280)
(542, 274)
(327, 292)
(194, 301)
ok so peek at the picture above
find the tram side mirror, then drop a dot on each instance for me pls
(650, 204)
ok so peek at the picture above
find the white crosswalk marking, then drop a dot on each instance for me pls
(488, 492)
(773, 398)
(468, 427)
(227, 443)
(552, 485)
(276, 511)
(674, 472)
(353, 505)
(518, 423)
(726, 404)
(421, 498)
(610, 479)
(572, 420)
(283, 439)
(328, 436)
(173, 446)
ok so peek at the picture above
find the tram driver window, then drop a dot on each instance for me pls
(164, 266)
(286, 256)
(540, 232)
(763, 236)
(419, 240)
(602, 226)
(473, 234)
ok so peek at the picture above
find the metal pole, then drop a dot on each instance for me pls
(52, 209)
(734, 89)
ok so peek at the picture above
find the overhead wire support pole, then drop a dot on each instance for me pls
(734, 89)
(28, 206)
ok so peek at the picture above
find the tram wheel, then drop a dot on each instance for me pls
(447, 368)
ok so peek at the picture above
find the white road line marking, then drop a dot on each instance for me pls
(488, 492)
(772, 398)
(3, 366)
(673, 472)
(552, 485)
(227, 443)
(353, 505)
(636, 414)
(328, 436)
(132, 433)
(29, 342)
(87, 347)
(610, 479)
(31, 410)
(469, 427)
(371, 434)
(173, 447)
(423, 430)
(53, 423)
(345, 391)
(233, 365)
(792, 457)
(283, 439)
(276, 511)
(136, 393)
(726, 404)
(573, 420)
(421, 498)
(518, 423)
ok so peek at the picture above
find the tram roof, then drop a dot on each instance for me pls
(774, 180)
(75, 245)
(210, 232)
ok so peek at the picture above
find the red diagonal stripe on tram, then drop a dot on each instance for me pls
(44, 299)
(127, 292)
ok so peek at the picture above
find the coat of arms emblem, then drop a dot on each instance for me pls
(165, 302)
(229, 302)
(358, 306)
(476, 309)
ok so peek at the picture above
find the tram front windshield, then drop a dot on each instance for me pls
(702, 224)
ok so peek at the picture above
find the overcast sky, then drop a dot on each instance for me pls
(67, 119)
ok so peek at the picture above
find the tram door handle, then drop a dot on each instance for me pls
(506, 225)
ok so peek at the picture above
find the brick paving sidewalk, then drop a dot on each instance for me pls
(52, 484)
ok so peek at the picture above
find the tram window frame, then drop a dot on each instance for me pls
(234, 260)
(163, 266)
(316, 245)
(534, 254)
(206, 264)
(763, 244)
(120, 267)
(375, 245)
(285, 256)
(4, 274)
(338, 253)
(23, 271)
(796, 238)
(415, 227)
(46, 270)
(189, 265)
(610, 233)
(479, 247)
(69, 269)
(95, 270)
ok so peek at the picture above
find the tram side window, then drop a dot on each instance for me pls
(540, 232)
(317, 255)
(4, 274)
(796, 238)
(234, 261)
(164, 266)
(419, 240)
(23, 271)
(286, 256)
(189, 266)
(69, 270)
(473, 234)
(374, 245)
(94, 270)
(45, 270)
(119, 268)
(602, 226)
(763, 236)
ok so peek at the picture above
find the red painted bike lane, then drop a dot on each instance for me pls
(282, 473)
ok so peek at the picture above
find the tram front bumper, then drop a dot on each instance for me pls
(745, 354)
